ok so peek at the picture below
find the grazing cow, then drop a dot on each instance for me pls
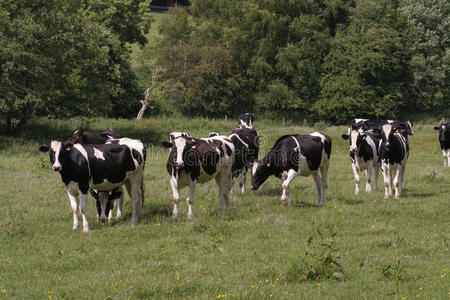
(246, 145)
(103, 167)
(83, 137)
(294, 155)
(192, 160)
(246, 121)
(370, 124)
(364, 155)
(444, 140)
(394, 152)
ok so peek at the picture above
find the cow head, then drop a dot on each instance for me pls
(386, 134)
(444, 130)
(179, 142)
(58, 152)
(77, 136)
(356, 138)
(246, 121)
(213, 133)
(260, 172)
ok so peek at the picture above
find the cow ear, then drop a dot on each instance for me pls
(345, 136)
(166, 144)
(68, 146)
(436, 128)
(364, 136)
(43, 148)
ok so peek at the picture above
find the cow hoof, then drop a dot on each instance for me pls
(174, 216)
(386, 196)
(190, 217)
(86, 228)
(397, 196)
(75, 226)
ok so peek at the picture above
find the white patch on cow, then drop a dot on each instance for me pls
(56, 147)
(83, 152)
(353, 138)
(180, 144)
(239, 138)
(322, 137)
(98, 154)
(387, 130)
(132, 144)
(255, 167)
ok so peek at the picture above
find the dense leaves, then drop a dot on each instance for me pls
(58, 59)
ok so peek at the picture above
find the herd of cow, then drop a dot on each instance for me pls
(101, 163)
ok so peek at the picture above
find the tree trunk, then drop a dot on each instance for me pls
(28, 113)
(145, 104)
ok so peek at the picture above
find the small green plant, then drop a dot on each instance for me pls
(320, 260)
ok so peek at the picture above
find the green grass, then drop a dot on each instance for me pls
(256, 250)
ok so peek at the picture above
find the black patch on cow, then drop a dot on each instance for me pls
(444, 135)
(137, 156)
(244, 155)
(229, 150)
(396, 152)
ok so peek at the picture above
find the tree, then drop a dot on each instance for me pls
(430, 44)
(367, 67)
(56, 60)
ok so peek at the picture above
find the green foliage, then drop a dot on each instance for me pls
(57, 60)
(430, 44)
(320, 260)
(366, 68)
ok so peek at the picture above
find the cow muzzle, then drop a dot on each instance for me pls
(56, 167)
(180, 164)
(353, 148)
(254, 188)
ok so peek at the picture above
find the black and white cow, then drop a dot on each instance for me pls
(444, 140)
(294, 155)
(83, 137)
(364, 156)
(370, 124)
(192, 160)
(394, 152)
(246, 145)
(246, 120)
(115, 197)
(102, 167)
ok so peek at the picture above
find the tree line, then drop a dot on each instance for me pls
(310, 60)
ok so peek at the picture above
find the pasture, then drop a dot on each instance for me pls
(355, 247)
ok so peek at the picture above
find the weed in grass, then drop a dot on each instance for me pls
(320, 259)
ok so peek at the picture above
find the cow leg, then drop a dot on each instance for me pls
(103, 199)
(387, 181)
(190, 198)
(448, 158)
(74, 205)
(111, 209)
(397, 181)
(176, 196)
(242, 180)
(316, 177)
(376, 171)
(324, 179)
(83, 209)
(118, 203)
(356, 173)
(444, 153)
(368, 172)
(286, 197)
(136, 199)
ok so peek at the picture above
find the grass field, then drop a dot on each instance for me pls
(259, 249)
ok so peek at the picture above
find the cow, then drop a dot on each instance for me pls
(364, 156)
(394, 152)
(246, 145)
(246, 121)
(83, 137)
(444, 140)
(293, 155)
(102, 167)
(198, 160)
(369, 124)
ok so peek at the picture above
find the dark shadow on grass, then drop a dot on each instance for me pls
(352, 201)
(417, 194)
(269, 191)
(304, 204)
(44, 133)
